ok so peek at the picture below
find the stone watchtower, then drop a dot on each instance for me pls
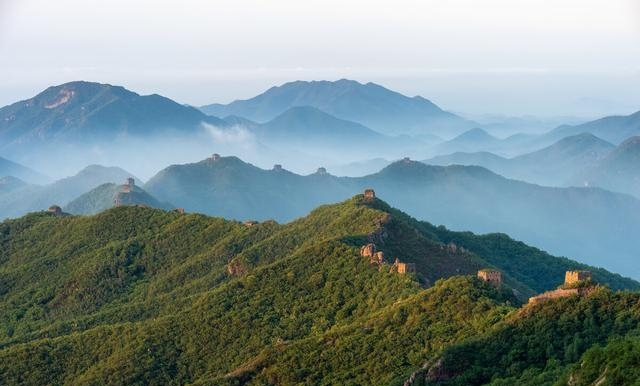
(55, 209)
(369, 194)
(128, 185)
(404, 268)
(491, 276)
(571, 277)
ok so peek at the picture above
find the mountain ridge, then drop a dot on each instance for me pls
(143, 295)
(458, 197)
(86, 111)
(371, 105)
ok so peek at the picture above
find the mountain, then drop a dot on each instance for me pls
(559, 163)
(554, 165)
(142, 296)
(557, 342)
(231, 188)
(618, 170)
(88, 112)
(371, 105)
(9, 168)
(591, 225)
(482, 158)
(108, 195)
(10, 183)
(234, 120)
(309, 126)
(614, 129)
(472, 140)
(359, 168)
(28, 198)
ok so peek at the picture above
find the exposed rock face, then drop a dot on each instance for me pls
(236, 268)
(437, 372)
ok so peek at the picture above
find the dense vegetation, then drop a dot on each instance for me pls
(141, 296)
(536, 345)
(594, 226)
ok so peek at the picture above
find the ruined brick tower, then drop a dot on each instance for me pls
(571, 277)
(492, 276)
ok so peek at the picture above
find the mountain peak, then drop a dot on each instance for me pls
(631, 142)
(76, 92)
(369, 104)
(83, 112)
(475, 133)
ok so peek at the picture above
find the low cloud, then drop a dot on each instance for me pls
(231, 135)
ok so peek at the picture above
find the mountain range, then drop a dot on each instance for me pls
(369, 104)
(142, 296)
(13, 169)
(614, 129)
(21, 197)
(579, 160)
(69, 126)
(585, 223)
(86, 111)
(618, 170)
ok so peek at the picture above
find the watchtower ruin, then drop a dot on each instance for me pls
(571, 277)
(404, 268)
(55, 209)
(369, 194)
(128, 185)
(491, 276)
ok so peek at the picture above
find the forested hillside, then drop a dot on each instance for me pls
(142, 296)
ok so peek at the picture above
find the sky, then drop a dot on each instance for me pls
(574, 58)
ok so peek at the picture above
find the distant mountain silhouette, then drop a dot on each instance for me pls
(481, 158)
(372, 105)
(559, 163)
(28, 198)
(472, 140)
(614, 129)
(587, 224)
(85, 111)
(10, 183)
(555, 165)
(310, 126)
(231, 188)
(619, 170)
(10, 168)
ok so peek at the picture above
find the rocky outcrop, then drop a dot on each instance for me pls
(236, 268)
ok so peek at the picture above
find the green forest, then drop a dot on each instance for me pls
(143, 296)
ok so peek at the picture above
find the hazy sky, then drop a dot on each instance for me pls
(555, 57)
